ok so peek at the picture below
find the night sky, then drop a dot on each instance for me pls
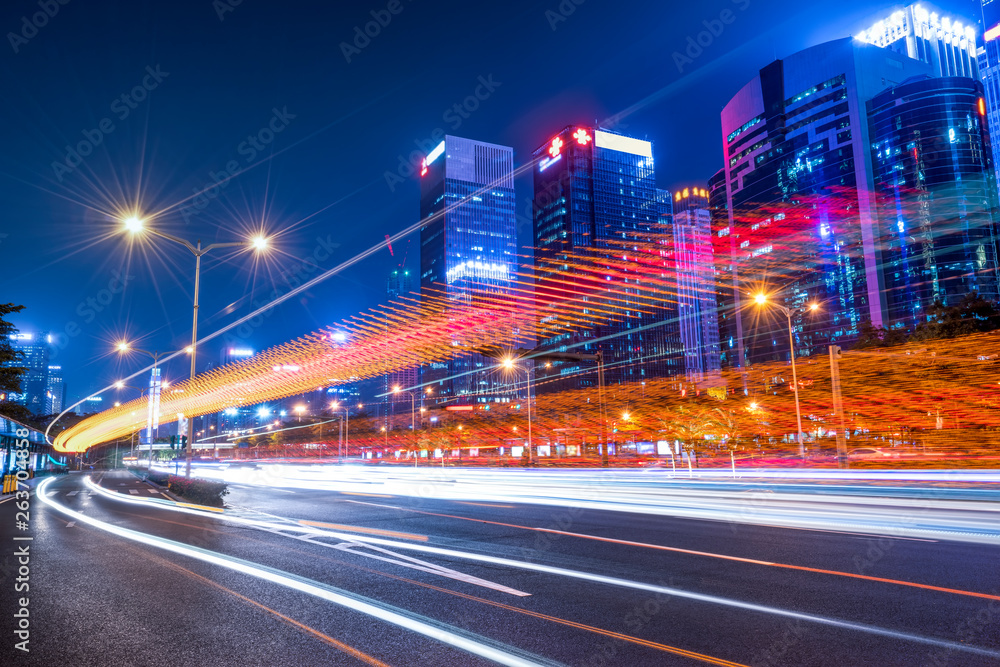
(199, 78)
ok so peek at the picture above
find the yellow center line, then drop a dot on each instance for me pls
(360, 529)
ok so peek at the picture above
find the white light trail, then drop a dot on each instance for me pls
(428, 628)
(613, 581)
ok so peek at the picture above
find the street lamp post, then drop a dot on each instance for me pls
(413, 407)
(124, 347)
(761, 299)
(346, 428)
(136, 225)
(509, 364)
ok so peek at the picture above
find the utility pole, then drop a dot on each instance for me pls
(838, 406)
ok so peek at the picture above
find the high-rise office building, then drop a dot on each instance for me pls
(35, 358)
(595, 193)
(694, 267)
(798, 177)
(468, 248)
(936, 195)
(722, 254)
(947, 44)
(55, 391)
(989, 72)
(400, 284)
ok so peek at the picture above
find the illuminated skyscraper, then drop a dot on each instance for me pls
(400, 284)
(989, 71)
(35, 351)
(55, 391)
(936, 195)
(858, 180)
(947, 44)
(695, 278)
(798, 176)
(467, 246)
(595, 190)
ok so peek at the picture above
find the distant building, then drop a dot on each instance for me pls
(945, 43)
(857, 180)
(400, 284)
(467, 246)
(697, 311)
(989, 71)
(55, 391)
(35, 351)
(722, 251)
(936, 195)
(90, 405)
(798, 182)
(595, 191)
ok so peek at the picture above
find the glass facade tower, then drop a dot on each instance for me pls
(694, 268)
(595, 194)
(936, 195)
(798, 178)
(468, 247)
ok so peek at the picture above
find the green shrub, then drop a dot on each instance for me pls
(160, 478)
(198, 491)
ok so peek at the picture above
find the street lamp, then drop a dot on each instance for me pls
(413, 406)
(136, 225)
(346, 425)
(762, 300)
(124, 347)
(509, 364)
(299, 409)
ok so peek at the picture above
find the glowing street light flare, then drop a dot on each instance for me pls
(761, 298)
(260, 243)
(133, 224)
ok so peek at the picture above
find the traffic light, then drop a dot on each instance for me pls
(173, 441)
(184, 442)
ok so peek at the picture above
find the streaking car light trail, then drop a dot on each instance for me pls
(573, 574)
(445, 634)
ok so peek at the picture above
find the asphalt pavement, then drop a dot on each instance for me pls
(122, 575)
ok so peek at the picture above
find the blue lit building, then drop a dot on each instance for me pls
(936, 195)
(34, 349)
(468, 247)
(798, 175)
(694, 268)
(989, 71)
(595, 190)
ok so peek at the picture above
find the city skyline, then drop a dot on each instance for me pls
(95, 309)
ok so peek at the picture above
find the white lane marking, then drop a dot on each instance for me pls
(71, 524)
(72, 493)
(121, 483)
(152, 490)
(133, 491)
(442, 632)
